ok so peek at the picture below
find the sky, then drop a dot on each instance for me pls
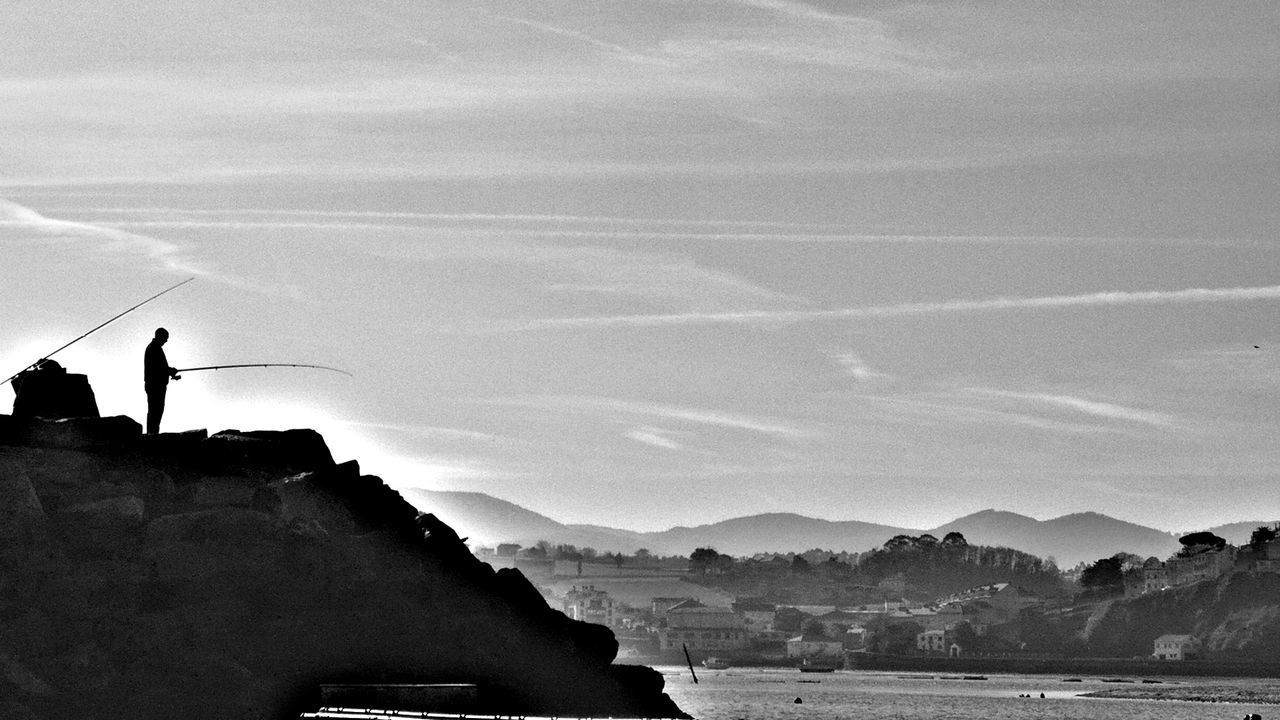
(650, 263)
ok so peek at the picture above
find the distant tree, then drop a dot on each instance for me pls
(966, 637)
(1105, 574)
(539, 550)
(588, 553)
(835, 566)
(1261, 536)
(894, 638)
(567, 552)
(817, 556)
(800, 566)
(702, 560)
(643, 555)
(1191, 543)
(954, 539)
(899, 542)
(926, 541)
(724, 563)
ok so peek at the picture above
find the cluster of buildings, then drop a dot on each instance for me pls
(655, 612)
(983, 610)
(1197, 563)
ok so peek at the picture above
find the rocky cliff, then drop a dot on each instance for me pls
(228, 575)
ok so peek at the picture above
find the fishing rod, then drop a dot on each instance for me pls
(96, 329)
(260, 365)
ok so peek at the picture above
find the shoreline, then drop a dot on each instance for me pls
(1195, 693)
(1100, 667)
(1067, 667)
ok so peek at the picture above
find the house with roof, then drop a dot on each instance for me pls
(1176, 647)
(757, 615)
(932, 641)
(814, 646)
(993, 604)
(938, 642)
(588, 604)
(1155, 576)
(702, 628)
(836, 622)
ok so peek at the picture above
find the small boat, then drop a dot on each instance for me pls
(715, 663)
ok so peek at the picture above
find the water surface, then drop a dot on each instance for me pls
(770, 694)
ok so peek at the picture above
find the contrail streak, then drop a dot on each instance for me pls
(1148, 297)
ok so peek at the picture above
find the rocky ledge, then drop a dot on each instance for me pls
(229, 575)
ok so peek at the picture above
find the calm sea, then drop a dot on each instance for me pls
(770, 694)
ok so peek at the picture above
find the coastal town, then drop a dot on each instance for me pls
(675, 609)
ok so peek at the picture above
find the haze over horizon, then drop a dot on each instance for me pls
(648, 264)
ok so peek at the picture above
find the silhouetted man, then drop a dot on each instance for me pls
(155, 377)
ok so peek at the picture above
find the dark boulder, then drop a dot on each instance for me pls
(76, 433)
(122, 513)
(22, 516)
(267, 452)
(175, 446)
(223, 526)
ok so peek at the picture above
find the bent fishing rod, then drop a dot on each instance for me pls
(96, 329)
(263, 365)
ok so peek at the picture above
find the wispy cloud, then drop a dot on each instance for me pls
(575, 226)
(610, 48)
(800, 11)
(772, 34)
(429, 431)
(775, 317)
(1110, 411)
(463, 217)
(165, 254)
(699, 416)
(853, 364)
(946, 411)
(653, 436)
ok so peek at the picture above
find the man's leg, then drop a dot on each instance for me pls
(155, 408)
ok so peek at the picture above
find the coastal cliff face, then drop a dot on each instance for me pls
(227, 576)
(1236, 617)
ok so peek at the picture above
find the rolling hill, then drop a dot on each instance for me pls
(489, 520)
(1069, 539)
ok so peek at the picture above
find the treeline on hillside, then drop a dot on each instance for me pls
(918, 568)
(936, 567)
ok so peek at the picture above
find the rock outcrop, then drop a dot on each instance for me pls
(228, 576)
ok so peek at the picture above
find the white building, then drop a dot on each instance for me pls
(932, 641)
(1176, 647)
(590, 605)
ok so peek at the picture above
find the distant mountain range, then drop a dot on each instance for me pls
(1070, 539)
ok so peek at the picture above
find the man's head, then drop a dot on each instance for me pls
(162, 335)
